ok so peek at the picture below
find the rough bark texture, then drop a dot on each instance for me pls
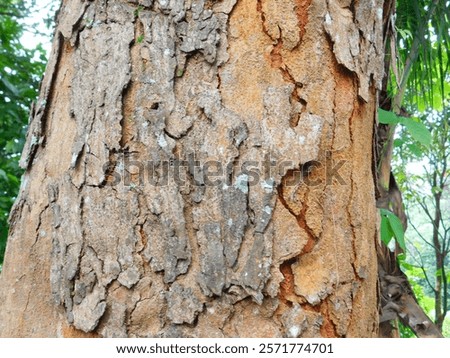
(105, 242)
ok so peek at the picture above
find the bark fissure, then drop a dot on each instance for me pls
(287, 288)
(302, 15)
(37, 120)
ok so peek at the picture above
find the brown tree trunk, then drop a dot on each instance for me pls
(200, 169)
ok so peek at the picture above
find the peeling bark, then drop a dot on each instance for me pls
(144, 101)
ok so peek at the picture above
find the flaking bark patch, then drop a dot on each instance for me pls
(355, 44)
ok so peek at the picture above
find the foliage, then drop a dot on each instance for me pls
(415, 127)
(405, 331)
(419, 84)
(424, 178)
(422, 53)
(416, 277)
(420, 138)
(20, 72)
(425, 181)
(391, 227)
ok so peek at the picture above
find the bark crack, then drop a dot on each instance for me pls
(302, 16)
(263, 18)
(39, 224)
(287, 293)
(301, 217)
(328, 328)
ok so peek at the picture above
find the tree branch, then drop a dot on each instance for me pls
(421, 236)
(422, 267)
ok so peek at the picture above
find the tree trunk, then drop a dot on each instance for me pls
(200, 169)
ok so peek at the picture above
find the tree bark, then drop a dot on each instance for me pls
(200, 169)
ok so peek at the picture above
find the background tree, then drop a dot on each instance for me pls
(427, 202)
(427, 95)
(21, 70)
(418, 79)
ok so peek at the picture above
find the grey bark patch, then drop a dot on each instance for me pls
(256, 271)
(71, 14)
(234, 210)
(87, 314)
(66, 245)
(179, 122)
(91, 294)
(264, 213)
(33, 139)
(165, 251)
(80, 291)
(129, 277)
(82, 266)
(177, 258)
(53, 191)
(183, 306)
(113, 321)
(200, 32)
(56, 210)
(355, 44)
(300, 323)
(304, 140)
(97, 95)
(212, 260)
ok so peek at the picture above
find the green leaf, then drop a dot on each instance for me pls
(401, 258)
(404, 33)
(436, 189)
(418, 131)
(407, 265)
(138, 10)
(386, 232)
(415, 149)
(398, 142)
(3, 174)
(13, 179)
(397, 228)
(180, 72)
(13, 89)
(10, 147)
(391, 226)
(386, 117)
